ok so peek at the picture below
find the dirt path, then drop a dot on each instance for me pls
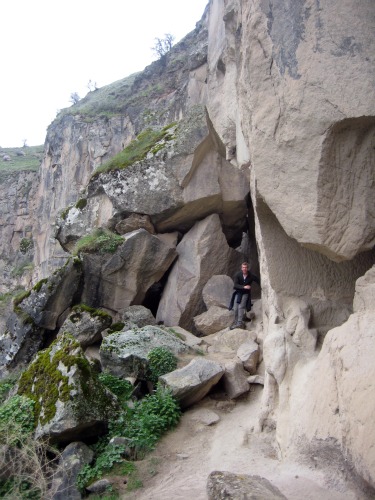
(179, 467)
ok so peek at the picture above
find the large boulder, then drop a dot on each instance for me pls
(192, 383)
(248, 353)
(222, 485)
(202, 253)
(212, 321)
(72, 459)
(125, 353)
(19, 342)
(134, 222)
(138, 316)
(229, 341)
(35, 311)
(116, 281)
(217, 291)
(235, 379)
(52, 296)
(86, 324)
(71, 403)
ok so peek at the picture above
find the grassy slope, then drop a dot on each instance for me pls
(30, 161)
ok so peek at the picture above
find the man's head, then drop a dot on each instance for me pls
(245, 267)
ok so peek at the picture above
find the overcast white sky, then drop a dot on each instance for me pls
(51, 48)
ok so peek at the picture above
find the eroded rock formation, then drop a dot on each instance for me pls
(269, 158)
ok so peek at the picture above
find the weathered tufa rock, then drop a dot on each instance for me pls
(191, 383)
(134, 222)
(224, 485)
(248, 353)
(119, 280)
(139, 316)
(217, 291)
(21, 340)
(86, 324)
(187, 337)
(235, 380)
(125, 353)
(49, 298)
(256, 379)
(70, 401)
(228, 341)
(39, 309)
(202, 253)
(72, 459)
(212, 321)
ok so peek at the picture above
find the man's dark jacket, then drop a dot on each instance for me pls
(239, 290)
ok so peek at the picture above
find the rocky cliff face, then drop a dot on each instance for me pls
(268, 98)
(17, 195)
(300, 115)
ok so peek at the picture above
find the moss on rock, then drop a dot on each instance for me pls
(62, 374)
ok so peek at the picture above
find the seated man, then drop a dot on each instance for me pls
(241, 298)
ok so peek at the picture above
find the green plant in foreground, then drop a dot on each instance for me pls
(17, 413)
(160, 362)
(150, 418)
(5, 386)
(104, 462)
(101, 240)
(121, 388)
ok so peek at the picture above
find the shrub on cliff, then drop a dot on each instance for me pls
(101, 241)
(147, 141)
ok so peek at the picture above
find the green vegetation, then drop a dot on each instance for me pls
(96, 313)
(119, 387)
(113, 454)
(81, 203)
(147, 141)
(101, 240)
(21, 269)
(6, 384)
(39, 285)
(116, 327)
(161, 361)
(24, 158)
(16, 414)
(142, 423)
(147, 421)
(19, 297)
(108, 101)
(26, 244)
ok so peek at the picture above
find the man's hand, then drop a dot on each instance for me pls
(247, 287)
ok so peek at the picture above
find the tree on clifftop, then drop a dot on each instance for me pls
(163, 45)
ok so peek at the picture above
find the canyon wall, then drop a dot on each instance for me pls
(275, 99)
(291, 89)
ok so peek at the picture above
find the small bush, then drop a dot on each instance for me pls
(101, 241)
(17, 413)
(150, 418)
(18, 298)
(105, 461)
(81, 203)
(138, 149)
(5, 386)
(160, 362)
(26, 244)
(121, 388)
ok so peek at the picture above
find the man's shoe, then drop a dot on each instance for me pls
(232, 327)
